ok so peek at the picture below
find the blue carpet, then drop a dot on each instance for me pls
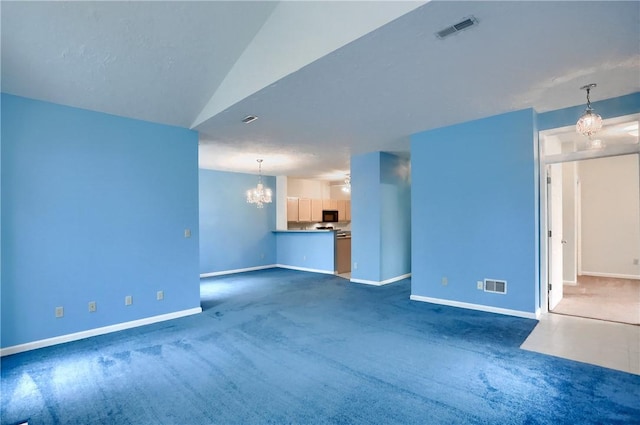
(283, 347)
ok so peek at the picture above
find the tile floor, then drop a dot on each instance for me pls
(608, 344)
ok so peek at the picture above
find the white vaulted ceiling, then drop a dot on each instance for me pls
(326, 79)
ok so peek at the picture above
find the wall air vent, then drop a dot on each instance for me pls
(495, 286)
(462, 25)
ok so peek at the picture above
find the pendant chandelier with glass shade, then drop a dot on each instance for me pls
(260, 194)
(590, 122)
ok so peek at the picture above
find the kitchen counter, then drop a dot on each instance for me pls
(309, 250)
(315, 250)
(305, 231)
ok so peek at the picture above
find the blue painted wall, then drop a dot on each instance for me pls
(366, 216)
(233, 234)
(395, 226)
(307, 250)
(474, 210)
(94, 208)
(381, 216)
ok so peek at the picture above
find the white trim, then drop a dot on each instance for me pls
(97, 331)
(247, 269)
(608, 151)
(380, 283)
(305, 269)
(613, 275)
(570, 282)
(479, 307)
(543, 161)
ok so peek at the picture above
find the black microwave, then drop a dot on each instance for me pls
(329, 216)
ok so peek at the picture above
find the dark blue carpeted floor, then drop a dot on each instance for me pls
(281, 347)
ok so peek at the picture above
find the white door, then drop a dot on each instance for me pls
(554, 233)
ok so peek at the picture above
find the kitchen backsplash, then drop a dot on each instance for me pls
(346, 225)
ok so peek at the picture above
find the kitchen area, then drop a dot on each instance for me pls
(318, 234)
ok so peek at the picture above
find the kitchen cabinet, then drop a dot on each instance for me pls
(292, 209)
(304, 209)
(342, 210)
(316, 210)
(329, 204)
(307, 210)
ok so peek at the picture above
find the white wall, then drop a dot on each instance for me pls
(569, 222)
(303, 188)
(281, 202)
(610, 216)
(336, 192)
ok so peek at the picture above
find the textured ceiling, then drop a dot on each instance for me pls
(155, 61)
(322, 90)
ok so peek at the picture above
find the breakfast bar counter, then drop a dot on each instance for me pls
(307, 250)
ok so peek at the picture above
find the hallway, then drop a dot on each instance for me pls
(615, 300)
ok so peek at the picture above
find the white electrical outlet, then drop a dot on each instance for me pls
(480, 285)
(304, 258)
(636, 261)
(445, 281)
(187, 233)
(59, 311)
(128, 300)
(160, 295)
(355, 266)
(92, 307)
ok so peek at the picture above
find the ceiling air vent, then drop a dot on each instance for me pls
(496, 286)
(249, 118)
(463, 25)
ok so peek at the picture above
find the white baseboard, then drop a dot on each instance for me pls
(570, 282)
(247, 269)
(97, 331)
(305, 269)
(479, 307)
(383, 282)
(613, 275)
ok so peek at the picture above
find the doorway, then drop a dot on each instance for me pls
(591, 223)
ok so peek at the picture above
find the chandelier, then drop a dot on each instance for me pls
(590, 122)
(347, 184)
(260, 194)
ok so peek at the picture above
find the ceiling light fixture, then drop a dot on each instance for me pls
(590, 122)
(347, 184)
(595, 143)
(260, 194)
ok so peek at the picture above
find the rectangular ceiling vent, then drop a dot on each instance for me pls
(495, 286)
(460, 26)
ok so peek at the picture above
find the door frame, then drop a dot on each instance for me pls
(607, 151)
(554, 244)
